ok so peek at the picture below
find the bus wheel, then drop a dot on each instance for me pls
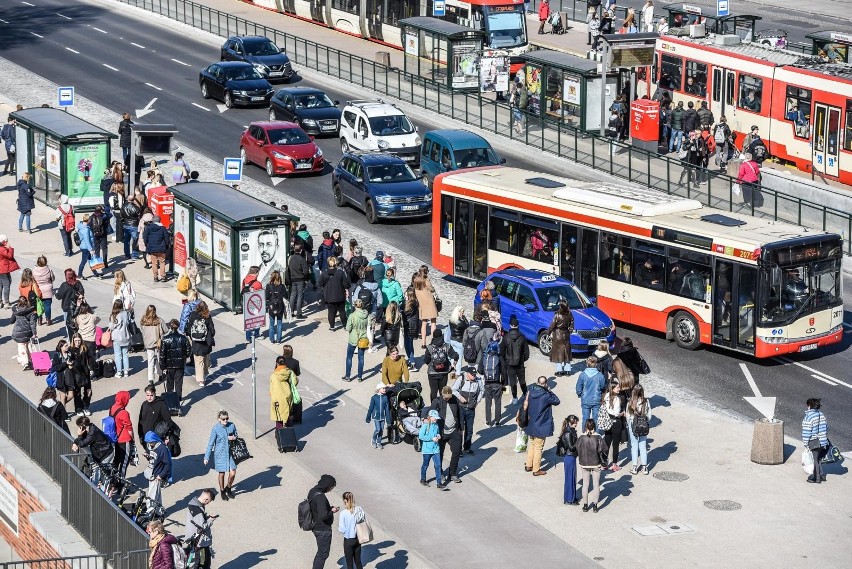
(545, 343)
(685, 330)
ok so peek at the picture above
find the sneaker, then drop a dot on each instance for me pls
(344, 378)
(230, 492)
(595, 508)
(634, 470)
(615, 468)
(645, 470)
(373, 443)
(586, 508)
(442, 486)
(225, 495)
(424, 483)
(456, 479)
(87, 413)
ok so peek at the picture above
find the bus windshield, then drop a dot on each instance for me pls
(788, 292)
(505, 26)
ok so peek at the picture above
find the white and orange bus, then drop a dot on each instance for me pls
(699, 275)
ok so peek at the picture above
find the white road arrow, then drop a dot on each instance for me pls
(764, 405)
(222, 108)
(275, 180)
(142, 112)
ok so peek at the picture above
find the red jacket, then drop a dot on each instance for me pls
(749, 173)
(162, 557)
(7, 260)
(543, 11)
(123, 426)
(252, 283)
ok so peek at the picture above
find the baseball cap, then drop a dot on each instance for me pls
(434, 414)
(380, 255)
(380, 385)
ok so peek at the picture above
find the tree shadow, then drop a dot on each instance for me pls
(269, 478)
(248, 559)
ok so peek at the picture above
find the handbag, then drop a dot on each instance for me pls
(807, 461)
(39, 306)
(76, 237)
(813, 442)
(239, 451)
(604, 420)
(364, 531)
(106, 338)
(737, 189)
(523, 417)
(363, 343)
(96, 263)
(296, 397)
(644, 368)
(439, 304)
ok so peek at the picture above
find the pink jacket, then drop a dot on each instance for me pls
(749, 173)
(543, 11)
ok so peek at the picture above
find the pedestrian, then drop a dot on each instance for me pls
(590, 385)
(439, 358)
(391, 325)
(24, 329)
(122, 290)
(282, 384)
(394, 368)
(410, 325)
(7, 134)
(131, 215)
(292, 363)
(70, 294)
(449, 410)
(469, 389)
(8, 265)
(539, 404)
(590, 449)
(491, 367)
(198, 533)
(391, 289)
(335, 286)
(125, 132)
(152, 411)
(296, 276)
(425, 293)
(218, 445)
(83, 374)
(676, 140)
(99, 224)
(594, 29)
(325, 251)
(179, 169)
(815, 437)
(85, 324)
(202, 332)
(379, 414)
(160, 465)
(379, 267)
(65, 223)
(356, 326)
(276, 304)
(370, 295)
(173, 352)
(60, 364)
(350, 516)
(518, 99)
(454, 334)
(119, 325)
(44, 278)
(161, 543)
(430, 449)
(29, 287)
(705, 116)
(566, 447)
(748, 178)
(125, 442)
(722, 136)
(631, 358)
(188, 309)
(543, 14)
(648, 16)
(50, 406)
(613, 404)
(323, 515)
(87, 244)
(561, 328)
(604, 357)
(638, 424)
(98, 444)
(691, 157)
(156, 238)
(153, 329)
(26, 201)
(515, 351)
(690, 118)
(663, 27)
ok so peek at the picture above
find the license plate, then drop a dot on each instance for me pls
(408, 158)
(808, 347)
(327, 127)
(303, 166)
(595, 342)
(410, 207)
(257, 98)
(276, 73)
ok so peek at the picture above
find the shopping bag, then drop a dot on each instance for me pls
(807, 461)
(39, 306)
(737, 189)
(96, 263)
(239, 450)
(364, 531)
(521, 440)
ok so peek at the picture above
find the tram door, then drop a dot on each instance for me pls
(374, 19)
(470, 240)
(826, 138)
(734, 305)
(723, 90)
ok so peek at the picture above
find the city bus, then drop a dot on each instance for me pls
(696, 274)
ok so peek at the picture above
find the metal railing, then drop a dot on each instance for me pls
(549, 134)
(77, 562)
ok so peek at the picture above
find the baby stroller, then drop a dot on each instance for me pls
(406, 402)
(555, 21)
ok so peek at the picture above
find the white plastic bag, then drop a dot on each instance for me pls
(808, 461)
(521, 440)
(737, 189)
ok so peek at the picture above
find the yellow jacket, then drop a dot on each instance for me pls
(280, 392)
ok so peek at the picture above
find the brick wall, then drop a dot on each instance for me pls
(29, 543)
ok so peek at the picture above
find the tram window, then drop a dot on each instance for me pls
(649, 265)
(696, 78)
(687, 273)
(446, 216)
(538, 236)
(799, 111)
(615, 256)
(717, 85)
(751, 91)
(504, 231)
(350, 6)
(395, 10)
(847, 138)
(671, 70)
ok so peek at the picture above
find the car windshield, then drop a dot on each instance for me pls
(261, 48)
(389, 173)
(242, 74)
(549, 297)
(505, 26)
(473, 157)
(789, 292)
(313, 101)
(284, 136)
(393, 124)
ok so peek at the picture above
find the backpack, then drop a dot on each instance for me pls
(640, 425)
(109, 428)
(471, 349)
(720, 136)
(68, 218)
(178, 556)
(198, 330)
(248, 286)
(183, 284)
(130, 210)
(96, 222)
(709, 143)
(365, 295)
(356, 264)
(305, 515)
(491, 366)
(440, 359)
(759, 152)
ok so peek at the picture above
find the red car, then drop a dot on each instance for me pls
(281, 147)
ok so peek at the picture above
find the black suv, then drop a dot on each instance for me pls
(309, 108)
(260, 51)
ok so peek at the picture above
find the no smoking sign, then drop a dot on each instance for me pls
(254, 310)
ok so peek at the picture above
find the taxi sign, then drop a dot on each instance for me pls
(548, 278)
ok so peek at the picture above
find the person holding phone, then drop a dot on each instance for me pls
(323, 515)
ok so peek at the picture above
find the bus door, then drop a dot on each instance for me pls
(734, 292)
(578, 257)
(723, 90)
(825, 139)
(470, 239)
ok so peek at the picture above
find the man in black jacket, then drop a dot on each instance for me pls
(174, 352)
(515, 351)
(439, 356)
(91, 437)
(152, 411)
(690, 118)
(156, 239)
(124, 134)
(323, 516)
(296, 276)
(335, 285)
(447, 405)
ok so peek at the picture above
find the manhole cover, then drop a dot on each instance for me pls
(723, 505)
(670, 476)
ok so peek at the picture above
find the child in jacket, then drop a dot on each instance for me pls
(429, 437)
(379, 413)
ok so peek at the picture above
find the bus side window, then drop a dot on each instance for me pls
(615, 257)
(446, 217)
(504, 231)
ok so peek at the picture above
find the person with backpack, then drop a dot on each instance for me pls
(757, 148)
(708, 149)
(296, 276)
(357, 328)
(491, 368)
(276, 306)
(119, 428)
(66, 223)
(357, 262)
(722, 137)
(198, 531)
(131, 214)
(119, 326)
(469, 389)
(164, 546)
(335, 289)
(590, 387)
(50, 406)
(322, 515)
(325, 251)
(566, 447)
(590, 450)
(99, 226)
(454, 334)
(705, 117)
(471, 351)
(202, 332)
(638, 425)
(370, 295)
(515, 352)
(92, 438)
(439, 356)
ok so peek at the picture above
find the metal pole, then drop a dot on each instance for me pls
(254, 383)
(603, 86)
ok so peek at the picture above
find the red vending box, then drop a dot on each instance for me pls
(645, 124)
(162, 203)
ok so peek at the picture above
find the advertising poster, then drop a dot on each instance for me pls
(203, 235)
(221, 244)
(22, 158)
(412, 43)
(533, 89)
(571, 89)
(465, 73)
(84, 169)
(493, 73)
(52, 159)
(265, 248)
(181, 245)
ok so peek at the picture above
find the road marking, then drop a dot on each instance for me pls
(63, 16)
(750, 380)
(110, 67)
(240, 382)
(27, 3)
(99, 30)
(36, 35)
(137, 45)
(200, 107)
(815, 376)
(4, 21)
(154, 86)
(822, 376)
(181, 62)
(72, 50)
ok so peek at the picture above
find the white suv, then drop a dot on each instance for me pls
(379, 126)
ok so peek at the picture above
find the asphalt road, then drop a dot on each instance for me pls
(123, 62)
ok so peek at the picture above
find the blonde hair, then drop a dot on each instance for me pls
(349, 501)
(156, 526)
(119, 280)
(456, 314)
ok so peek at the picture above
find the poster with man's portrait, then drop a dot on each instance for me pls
(265, 248)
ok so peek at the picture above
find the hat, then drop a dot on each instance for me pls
(380, 385)
(513, 321)
(3, 238)
(380, 255)
(469, 369)
(437, 333)
(156, 219)
(434, 414)
(754, 127)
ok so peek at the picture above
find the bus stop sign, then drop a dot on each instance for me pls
(439, 8)
(254, 310)
(722, 8)
(65, 97)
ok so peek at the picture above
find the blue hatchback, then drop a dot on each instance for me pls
(533, 297)
(381, 184)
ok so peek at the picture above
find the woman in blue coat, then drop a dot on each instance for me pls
(223, 432)
(26, 201)
(87, 245)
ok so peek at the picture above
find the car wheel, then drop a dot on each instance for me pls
(269, 171)
(244, 156)
(372, 217)
(229, 101)
(272, 116)
(545, 342)
(344, 146)
(204, 92)
(338, 196)
(685, 330)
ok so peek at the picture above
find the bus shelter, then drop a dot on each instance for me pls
(831, 46)
(682, 16)
(442, 51)
(227, 232)
(565, 87)
(64, 154)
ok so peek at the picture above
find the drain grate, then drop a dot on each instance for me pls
(670, 476)
(723, 505)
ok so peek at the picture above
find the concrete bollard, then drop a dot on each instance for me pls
(767, 443)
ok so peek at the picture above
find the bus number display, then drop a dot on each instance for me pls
(674, 236)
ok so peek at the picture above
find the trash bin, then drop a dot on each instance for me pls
(767, 443)
(645, 124)
(383, 58)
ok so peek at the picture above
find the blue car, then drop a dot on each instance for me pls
(533, 297)
(382, 185)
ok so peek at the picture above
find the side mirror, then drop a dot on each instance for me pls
(593, 300)
(416, 128)
(502, 161)
(336, 103)
(311, 137)
(359, 180)
(530, 307)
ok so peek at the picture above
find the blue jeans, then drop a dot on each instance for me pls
(122, 362)
(467, 417)
(25, 215)
(590, 411)
(638, 448)
(677, 135)
(459, 349)
(408, 342)
(350, 351)
(435, 459)
(379, 427)
(131, 234)
(66, 239)
(85, 255)
(275, 325)
(47, 302)
(569, 493)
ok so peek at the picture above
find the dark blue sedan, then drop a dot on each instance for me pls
(235, 83)
(382, 185)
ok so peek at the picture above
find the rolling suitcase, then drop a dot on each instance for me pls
(286, 438)
(41, 363)
(172, 402)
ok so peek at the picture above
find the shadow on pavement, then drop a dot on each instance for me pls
(269, 478)
(661, 454)
(248, 559)
(373, 552)
(318, 415)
